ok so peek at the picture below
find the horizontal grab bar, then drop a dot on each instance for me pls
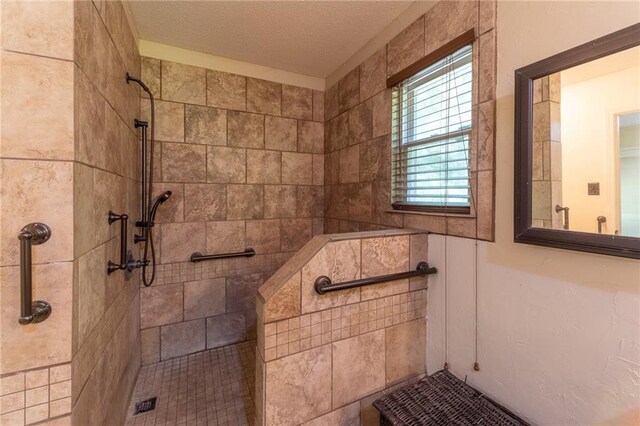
(324, 285)
(198, 257)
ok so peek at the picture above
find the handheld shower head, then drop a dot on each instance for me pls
(159, 200)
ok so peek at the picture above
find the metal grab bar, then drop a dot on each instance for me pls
(124, 221)
(199, 257)
(601, 220)
(324, 285)
(565, 223)
(38, 310)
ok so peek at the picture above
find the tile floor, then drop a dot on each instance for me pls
(214, 387)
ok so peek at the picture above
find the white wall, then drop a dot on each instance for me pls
(588, 135)
(559, 331)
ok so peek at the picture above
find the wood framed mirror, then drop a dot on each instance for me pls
(577, 148)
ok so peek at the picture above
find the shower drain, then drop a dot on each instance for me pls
(146, 405)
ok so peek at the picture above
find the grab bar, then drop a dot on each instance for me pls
(601, 220)
(324, 285)
(38, 310)
(565, 223)
(124, 221)
(198, 257)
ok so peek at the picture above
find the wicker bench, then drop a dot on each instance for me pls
(442, 399)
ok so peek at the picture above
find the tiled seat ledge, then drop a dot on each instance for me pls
(328, 355)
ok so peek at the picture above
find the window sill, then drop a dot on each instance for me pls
(465, 215)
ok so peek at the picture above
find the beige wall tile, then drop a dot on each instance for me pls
(280, 133)
(184, 163)
(447, 20)
(53, 283)
(461, 227)
(205, 202)
(373, 74)
(358, 367)
(337, 132)
(418, 252)
(226, 165)
(182, 338)
(297, 102)
(486, 66)
(38, 29)
(279, 201)
(487, 16)
(406, 48)
(386, 255)
(311, 137)
(360, 202)
(295, 233)
(183, 83)
(36, 396)
(11, 402)
(60, 390)
(297, 168)
(151, 74)
(241, 292)
(331, 102)
(310, 201)
(264, 96)
(309, 380)
(150, 345)
(91, 290)
(226, 90)
(340, 261)
(245, 202)
(36, 413)
(486, 200)
(40, 90)
(381, 106)
(349, 90)
(350, 164)
(60, 373)
(12, 383)
(60, 407)
(204, 298)
(263, 166)
(169, 120)
(225, 236)
(318, 106)
(226, 329)
(485, 143)
(264, 235)
(179, 240)
(160, 305)
(245, 130)
(345, 416)
(318, 169)
(405, 350)
(375, 160)
(360, 123)
(37, 378)
(14, 418)
(285, 303)
(205, 125)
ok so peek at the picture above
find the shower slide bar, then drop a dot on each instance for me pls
(199, 257)
(38, 310)
(324, 285)
(127, 263)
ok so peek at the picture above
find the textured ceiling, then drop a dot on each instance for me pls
(312, 38)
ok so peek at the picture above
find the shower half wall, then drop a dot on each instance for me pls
(244, 160)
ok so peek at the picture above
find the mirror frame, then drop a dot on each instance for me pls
(613, 245)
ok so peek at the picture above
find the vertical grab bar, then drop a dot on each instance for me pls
(601, 220)
(124, 220)
(565, 223)
(38, 310)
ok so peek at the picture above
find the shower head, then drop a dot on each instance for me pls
(159, 200)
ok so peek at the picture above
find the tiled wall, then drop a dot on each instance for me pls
(323, 359)
(547, 153)
(244, 160)
(358, 124)
(106, 344)
(36, 185)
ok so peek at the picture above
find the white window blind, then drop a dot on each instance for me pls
(431, 131)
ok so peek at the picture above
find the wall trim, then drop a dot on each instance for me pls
(189, 57)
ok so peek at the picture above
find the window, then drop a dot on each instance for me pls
(431, 132)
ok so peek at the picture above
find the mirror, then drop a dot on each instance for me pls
(578, 148)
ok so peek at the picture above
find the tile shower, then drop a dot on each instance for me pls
(250, 163)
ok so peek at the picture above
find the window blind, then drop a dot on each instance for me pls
(431, 131)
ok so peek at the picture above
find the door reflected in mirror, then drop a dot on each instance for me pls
(586, 147)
